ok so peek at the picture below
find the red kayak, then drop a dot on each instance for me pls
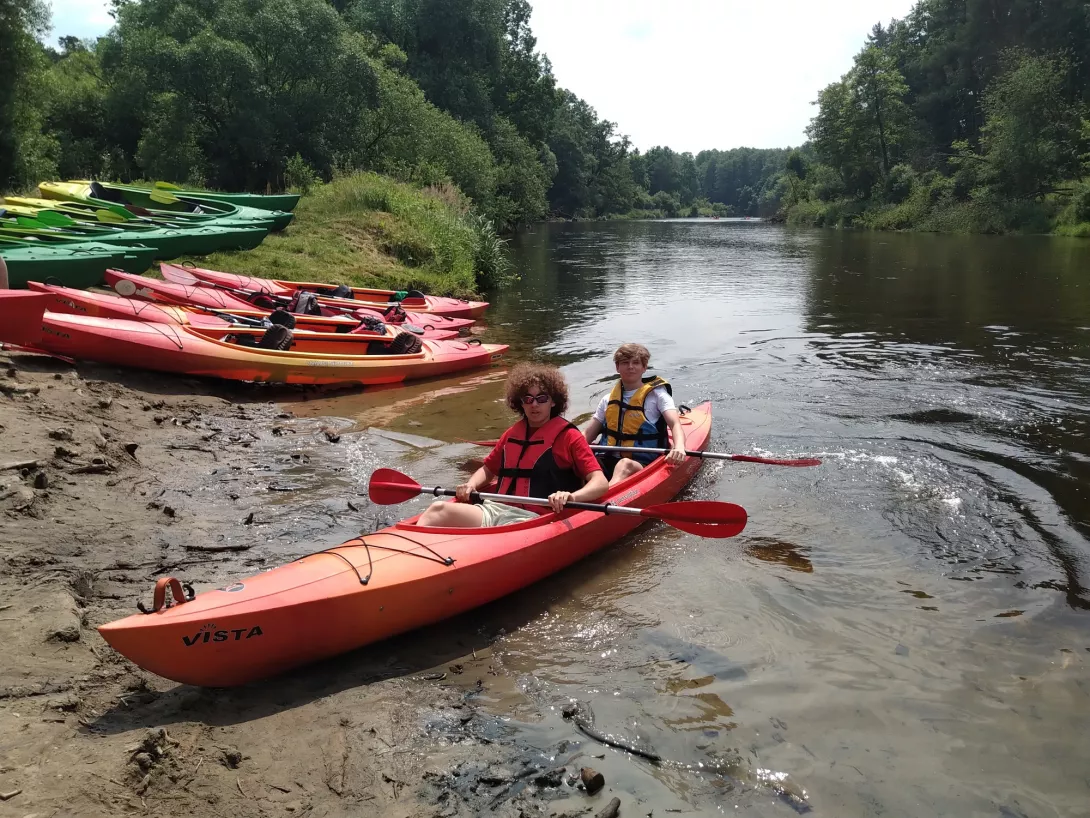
(376, 586)
(434, 305)
(210, 351)
(170, 292)
(104, 305)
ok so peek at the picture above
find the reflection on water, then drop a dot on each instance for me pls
(902, 630)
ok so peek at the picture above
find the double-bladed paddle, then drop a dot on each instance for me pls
(743, 458)
(705, 518)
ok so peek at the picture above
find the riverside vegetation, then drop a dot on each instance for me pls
(965, 116)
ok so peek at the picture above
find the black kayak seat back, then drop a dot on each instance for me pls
(276, 337)
(106, 194)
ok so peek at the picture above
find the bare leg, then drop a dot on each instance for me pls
(625, 467)
(442, 514)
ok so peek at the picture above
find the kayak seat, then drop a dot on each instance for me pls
(100, 192)
(403, 344)
(276, 337)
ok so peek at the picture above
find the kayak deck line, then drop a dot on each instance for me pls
(362, 543)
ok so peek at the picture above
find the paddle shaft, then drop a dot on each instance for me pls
(283, 300)
(605, 508)
(743, 458)
(706, 455)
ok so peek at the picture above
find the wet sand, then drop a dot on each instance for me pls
(113, 479)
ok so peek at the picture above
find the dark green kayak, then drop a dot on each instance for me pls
(135, 258)
(278, 201)
(79, 267)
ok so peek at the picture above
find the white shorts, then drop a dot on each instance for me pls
(494, 514)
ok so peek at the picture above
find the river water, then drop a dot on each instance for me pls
(904, 630)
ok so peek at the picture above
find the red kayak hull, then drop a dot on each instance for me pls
(379, 585)
(436, 305)
(105, 305)
(170, 292)
(189, 350)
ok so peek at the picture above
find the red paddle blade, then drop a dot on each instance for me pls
(771, 461)
(705, 518)
(389, 487)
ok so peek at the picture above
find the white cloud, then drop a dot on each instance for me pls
(80, 18)
(696, 74)
(691, 74)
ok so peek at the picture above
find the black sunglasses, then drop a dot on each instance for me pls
(542, 398)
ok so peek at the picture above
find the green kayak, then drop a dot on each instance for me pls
(278, 201)
(136, 257)
(170, 238)
(79, 267)
(161, 203)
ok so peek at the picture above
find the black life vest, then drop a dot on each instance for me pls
(527, 466)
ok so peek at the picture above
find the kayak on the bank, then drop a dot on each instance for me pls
(344, 296)
(276, 201)
(376, 586)
(106, 305)
(171, 292)
(169, 238)
(345, 359)
(79, 265)
(125, 201)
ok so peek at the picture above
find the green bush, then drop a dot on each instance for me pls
(899, 184)
(1080, 202)
(300, 176)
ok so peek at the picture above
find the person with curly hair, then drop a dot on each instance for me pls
(542, 455)
(637, 412)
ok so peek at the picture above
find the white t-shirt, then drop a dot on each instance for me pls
(654, 405)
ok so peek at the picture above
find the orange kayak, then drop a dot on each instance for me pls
(436, 305)
(169, 292)
(191, 350)
(376, 586)
(105, 305)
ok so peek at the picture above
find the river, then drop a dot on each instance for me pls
(902, 631)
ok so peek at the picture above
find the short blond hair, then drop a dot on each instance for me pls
(632, 352)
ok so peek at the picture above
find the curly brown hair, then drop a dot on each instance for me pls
(546, 378)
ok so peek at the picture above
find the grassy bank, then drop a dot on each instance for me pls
(369, 230)
(935, 205)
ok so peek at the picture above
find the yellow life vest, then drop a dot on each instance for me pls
(627, 425)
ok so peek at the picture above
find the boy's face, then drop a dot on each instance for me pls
(631, 370)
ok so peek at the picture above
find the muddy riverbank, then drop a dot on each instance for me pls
(113, 479)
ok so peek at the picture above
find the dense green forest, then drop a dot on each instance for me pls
(264, 94)
(966, 115)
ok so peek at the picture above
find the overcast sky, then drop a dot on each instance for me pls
(691, 74)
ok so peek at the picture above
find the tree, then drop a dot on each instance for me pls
(1031, 136)
(863, 123)
(23, 150)
(878, 90)
(237, 87)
